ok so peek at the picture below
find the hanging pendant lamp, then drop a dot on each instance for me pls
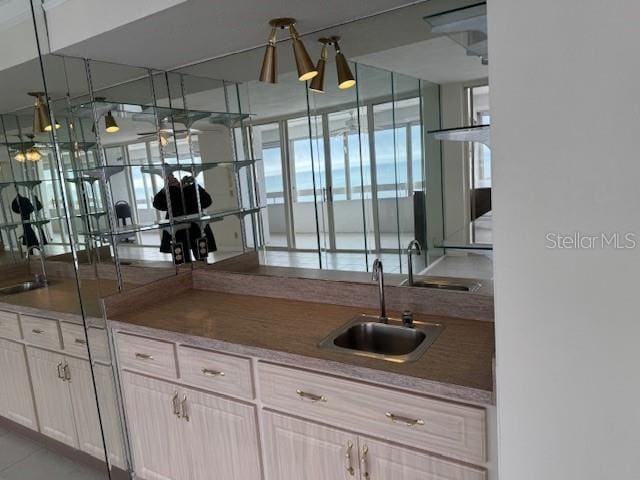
(304, 64)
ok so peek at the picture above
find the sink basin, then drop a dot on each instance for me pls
(21, 287)
(460, 285)
(367, 336)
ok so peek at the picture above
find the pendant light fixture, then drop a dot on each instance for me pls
(268, 72)
(345, 77)
(304, 65)
(317, 84)
(33, 154)
(20, 156)
(111, 126)
(41, 117)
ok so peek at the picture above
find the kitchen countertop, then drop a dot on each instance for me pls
(457, 366)
(60, 296)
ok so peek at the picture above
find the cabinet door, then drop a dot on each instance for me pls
(53, 399)
(85, 410)
(110, 414)
(16, 399)
(222, 436)
(383, 461)
(296, 449)
(155, 433)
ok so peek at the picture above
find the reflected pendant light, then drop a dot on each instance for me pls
(345, 77)
(41, 117)
(110, 123)
(317, 83)
(269, 70)
(33, 154)
(20, 156)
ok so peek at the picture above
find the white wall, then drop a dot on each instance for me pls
(565, 123)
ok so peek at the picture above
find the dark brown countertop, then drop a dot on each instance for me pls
(61, 296)
(460, 360)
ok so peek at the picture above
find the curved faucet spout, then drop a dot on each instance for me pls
(413, 247)
(378, 274)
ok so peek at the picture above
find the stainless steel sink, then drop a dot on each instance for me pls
(367, 336)
(460, 285)
(21, 287)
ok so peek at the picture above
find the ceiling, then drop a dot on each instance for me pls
(397, 40)
(199, 29)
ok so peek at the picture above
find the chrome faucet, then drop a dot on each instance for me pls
(378, 274)
(414, 247)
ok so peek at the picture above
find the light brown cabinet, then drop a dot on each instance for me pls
(16, 400)
(180, 433)
(301, 449)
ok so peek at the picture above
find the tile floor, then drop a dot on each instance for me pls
(24, 459)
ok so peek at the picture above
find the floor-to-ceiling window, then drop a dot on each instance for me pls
(342, 181)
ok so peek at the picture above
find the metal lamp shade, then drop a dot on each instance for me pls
(41, 121)
(110, 124)
(345, 77)
(317, 83)
(306, 69)
(268, 72)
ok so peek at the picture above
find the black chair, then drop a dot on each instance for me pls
(123, 211)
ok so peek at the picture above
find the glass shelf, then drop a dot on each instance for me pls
(93, 174)
(195, 168)
(21, 183)
(178, 223)
(12, 225)
(179, 115)
(65, 146)
(478, 133)
(466, 246)
(466, 26)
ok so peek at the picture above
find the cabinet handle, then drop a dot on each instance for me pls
(183, 408)
(409, 422)
(364, 467)
(80, 341)
(310, 396)
(174, 404)
(37, 331)
(144, 356)
(60, 376)
(349, 464)
(212, 373)
(67, 372)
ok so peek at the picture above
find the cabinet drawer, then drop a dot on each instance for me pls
(146, 355)
(216, 371)
(450, 429)
(73, 339)
(41, 331)
(9, 327)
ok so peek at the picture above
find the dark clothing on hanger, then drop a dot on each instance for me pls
(187, 237)
(24, 207)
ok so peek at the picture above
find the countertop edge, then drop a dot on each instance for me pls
(423, 386)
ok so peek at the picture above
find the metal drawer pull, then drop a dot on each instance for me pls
(310, 396)
(174, 404)
(67, 372)
(80, 341)
(212, 373)
(364, 468)
(410, 422)
(60, 375)
(349, 464)
(37, 331)
(144, 356)
(183, 408)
